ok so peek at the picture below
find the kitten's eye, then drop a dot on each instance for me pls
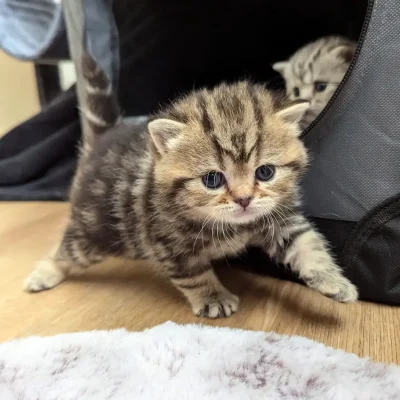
(213, 180)
(320, 86)
(296, 92)
(265, 172)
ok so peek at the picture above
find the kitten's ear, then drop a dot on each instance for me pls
(163, 132)
(294, 112)
(280, 66)
(344, 53)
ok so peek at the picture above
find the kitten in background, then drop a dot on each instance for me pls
(314, 72)
(215, 172)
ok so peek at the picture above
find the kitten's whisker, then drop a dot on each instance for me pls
(273, 235)
(273, 228)
(282, 218)
(285, 218)
(212, 234)
(231, 230)
(279, 226)
(287, 209)
(207, 219)
(293, 224)
(220, 245)
(227, 240)
(266, 232)
(263, 220)
(287, 212)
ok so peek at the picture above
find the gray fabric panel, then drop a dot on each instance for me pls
(28, 28)
(102, 36)
(356, 145)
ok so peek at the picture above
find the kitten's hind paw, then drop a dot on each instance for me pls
(217, 306)
(45, 276)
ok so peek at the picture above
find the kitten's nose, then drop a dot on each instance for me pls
(243, 201)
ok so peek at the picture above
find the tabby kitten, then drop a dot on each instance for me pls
(216, 171)
(314, 72)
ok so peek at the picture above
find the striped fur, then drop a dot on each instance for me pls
(325, 61)
(101, 109)
(140, 195)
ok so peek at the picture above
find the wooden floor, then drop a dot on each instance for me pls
(120, 295)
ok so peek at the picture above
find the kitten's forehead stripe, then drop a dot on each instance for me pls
(258, 114)
(223, 151)
(238, 141)
(218, 151)
(256, 146)
(316, 55)
(238, 109)
(206, 121)
(231, 107)
(223, 107)
(238, 152)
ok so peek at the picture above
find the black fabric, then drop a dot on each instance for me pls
(38, 157)
(372, 253)
(169, 48)
(336, 232)
(256, 261)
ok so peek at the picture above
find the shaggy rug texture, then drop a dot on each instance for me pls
(187, 362)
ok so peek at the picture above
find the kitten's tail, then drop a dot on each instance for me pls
(101, 109)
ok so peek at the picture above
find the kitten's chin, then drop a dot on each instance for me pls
(243, 217)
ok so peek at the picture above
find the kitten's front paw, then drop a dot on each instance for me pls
(332, 285)
(220, 305)
(345, 292)
(45, 276)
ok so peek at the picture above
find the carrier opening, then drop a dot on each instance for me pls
(184, 45)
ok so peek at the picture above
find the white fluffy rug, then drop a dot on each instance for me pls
(187, 362)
